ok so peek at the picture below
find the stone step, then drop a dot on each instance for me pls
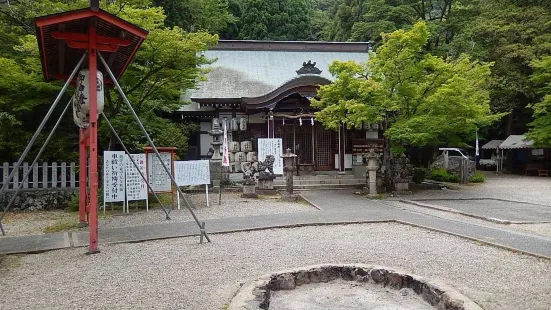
(322, 182)
(320, 177)
(320, 187)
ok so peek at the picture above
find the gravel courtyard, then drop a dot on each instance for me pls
(181, 274)
(34, 223)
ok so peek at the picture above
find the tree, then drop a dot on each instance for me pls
(283, 20)
(167, 63)
(197, 15)
(419, 99)
(510, 35)
(540, 127)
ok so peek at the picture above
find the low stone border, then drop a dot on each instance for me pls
(255, 295)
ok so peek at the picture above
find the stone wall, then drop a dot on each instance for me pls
(255, 294)
(38, 199)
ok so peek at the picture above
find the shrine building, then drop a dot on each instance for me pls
(262, 89)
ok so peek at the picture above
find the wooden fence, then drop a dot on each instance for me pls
(43, 176)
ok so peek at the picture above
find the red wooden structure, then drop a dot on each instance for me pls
(62, 40)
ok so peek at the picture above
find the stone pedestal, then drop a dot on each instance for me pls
(266, 182)
(249, 191)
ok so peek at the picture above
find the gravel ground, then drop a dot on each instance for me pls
(510, 187)
(33, 223)
(534, 229)
(181, 274)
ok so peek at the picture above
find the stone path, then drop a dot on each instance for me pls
(338, 207)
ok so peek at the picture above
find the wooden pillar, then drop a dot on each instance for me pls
(342, 149)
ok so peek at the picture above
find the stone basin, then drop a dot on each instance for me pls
(354, 286)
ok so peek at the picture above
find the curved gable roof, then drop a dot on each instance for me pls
(254, 69)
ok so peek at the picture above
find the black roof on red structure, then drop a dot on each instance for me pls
(58, 59)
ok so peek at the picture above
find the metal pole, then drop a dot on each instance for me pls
(41, 126)
(134, 163)
(116, 83)
(26, 176)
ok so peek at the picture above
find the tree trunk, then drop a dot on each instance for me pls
(387, 156)
(509, 125)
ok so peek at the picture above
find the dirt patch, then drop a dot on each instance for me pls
(339, 295)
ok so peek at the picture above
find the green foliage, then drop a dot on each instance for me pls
(421, 99)
(72, 204)
(540, 127)
(213, 16)
(419, 174)
(276, 20)
(442, 175)
(477, 177)
(167, 63)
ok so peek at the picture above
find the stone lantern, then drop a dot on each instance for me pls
(216, 159)
(289, 166)
(372, 166)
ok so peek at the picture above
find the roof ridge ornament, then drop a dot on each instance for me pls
(308, 68)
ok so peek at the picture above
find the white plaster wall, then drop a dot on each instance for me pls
(347, 161)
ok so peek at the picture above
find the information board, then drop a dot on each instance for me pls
(158, 178)
(136, 187)
(113, 176)
(192, 172)
(271, 147)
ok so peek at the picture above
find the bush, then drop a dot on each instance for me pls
(72, 204)
(441, 175)
(477, 177)
(419, 175)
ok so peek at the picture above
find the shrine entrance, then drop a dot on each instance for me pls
(313, 145)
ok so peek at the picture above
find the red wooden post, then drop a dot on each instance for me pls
(93, 130)
(82, 179)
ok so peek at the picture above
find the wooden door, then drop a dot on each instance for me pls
(323, 150)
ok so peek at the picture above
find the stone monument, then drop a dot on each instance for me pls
(266, 178)
(372, 166)
(403, 172)
(289, 166)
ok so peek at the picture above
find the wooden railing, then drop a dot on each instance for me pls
(43, 176)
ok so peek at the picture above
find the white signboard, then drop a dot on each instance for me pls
(192, 172)
(158, 178)
(113, 176)
(271, 147)
(136, 188)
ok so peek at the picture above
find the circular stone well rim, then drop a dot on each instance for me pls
(255, 294)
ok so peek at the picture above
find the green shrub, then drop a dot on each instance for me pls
(441, 175)
(72, 204)
(419, 175)
(477, 177)
(453, 178)
(438, 174)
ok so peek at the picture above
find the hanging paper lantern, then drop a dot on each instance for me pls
(80, 100)
(243, 124)
(234, 124)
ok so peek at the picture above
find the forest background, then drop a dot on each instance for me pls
(512, 36)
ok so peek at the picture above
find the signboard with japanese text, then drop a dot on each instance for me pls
(192, 172)
(113, 176)
(271, 147)
(158, 178)
(136, 187)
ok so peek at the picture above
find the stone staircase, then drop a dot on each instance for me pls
(322, 180)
